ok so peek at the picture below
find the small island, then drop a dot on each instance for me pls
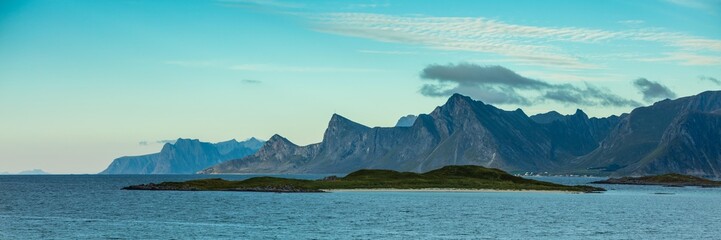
(669, 180)
(450, 178)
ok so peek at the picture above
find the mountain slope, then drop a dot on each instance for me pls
(691, 145)
(184, 156)
(659, 139)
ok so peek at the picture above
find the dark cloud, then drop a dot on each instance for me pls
(472, 74)
(604, 97)
(143, 143)
(589, 95)
(652, 90)
(499, 85)
(710, 79)
(502, 95)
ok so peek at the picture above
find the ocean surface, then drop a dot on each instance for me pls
(94, 207)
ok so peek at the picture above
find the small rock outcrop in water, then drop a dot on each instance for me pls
(449, 177)
(670, 180)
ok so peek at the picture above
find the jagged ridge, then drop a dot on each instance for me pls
(461, 132)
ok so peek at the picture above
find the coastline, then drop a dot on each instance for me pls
(444, 190)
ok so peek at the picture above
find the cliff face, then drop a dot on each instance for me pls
(669, 136)
(461, 132)
(184, 156)
(690, 145)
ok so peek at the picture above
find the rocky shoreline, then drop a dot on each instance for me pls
(667, 180)
(164, 187)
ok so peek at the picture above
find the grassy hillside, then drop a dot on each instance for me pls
(449, 177)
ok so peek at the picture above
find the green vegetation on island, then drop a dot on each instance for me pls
(671, 180)
(449, 177)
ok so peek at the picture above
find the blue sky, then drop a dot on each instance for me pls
(83, 82)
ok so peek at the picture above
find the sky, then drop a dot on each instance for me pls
(84, 82)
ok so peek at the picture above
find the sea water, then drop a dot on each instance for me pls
(95, 207)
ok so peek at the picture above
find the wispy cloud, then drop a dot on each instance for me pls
(461, 34)
(528, 44)
(192, 63)
(575, 77)
(710, 6)
(685, 58)
(251, 81)
(710, 79)
(261, 3)
(369, 5)
(146, 143)
(171, 141)
(297, 69)
(387, 52)
(256, 67)
(632, 22)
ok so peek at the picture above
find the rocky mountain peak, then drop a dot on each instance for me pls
(458, 100)
(253, 143)
(184, 141)
(338, 120)
(580, 113)
(548, 117)
(339, 125)
(276, 139)
(231, 141)
(406, 121)
(520, 112)
(458, 107)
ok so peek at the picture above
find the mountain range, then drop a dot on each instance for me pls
(682, 135)
(183, 157)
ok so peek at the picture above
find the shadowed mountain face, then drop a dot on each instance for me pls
(184, 156)
(577, 134)
(682, 136)
(461, 132)
(548, 117)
